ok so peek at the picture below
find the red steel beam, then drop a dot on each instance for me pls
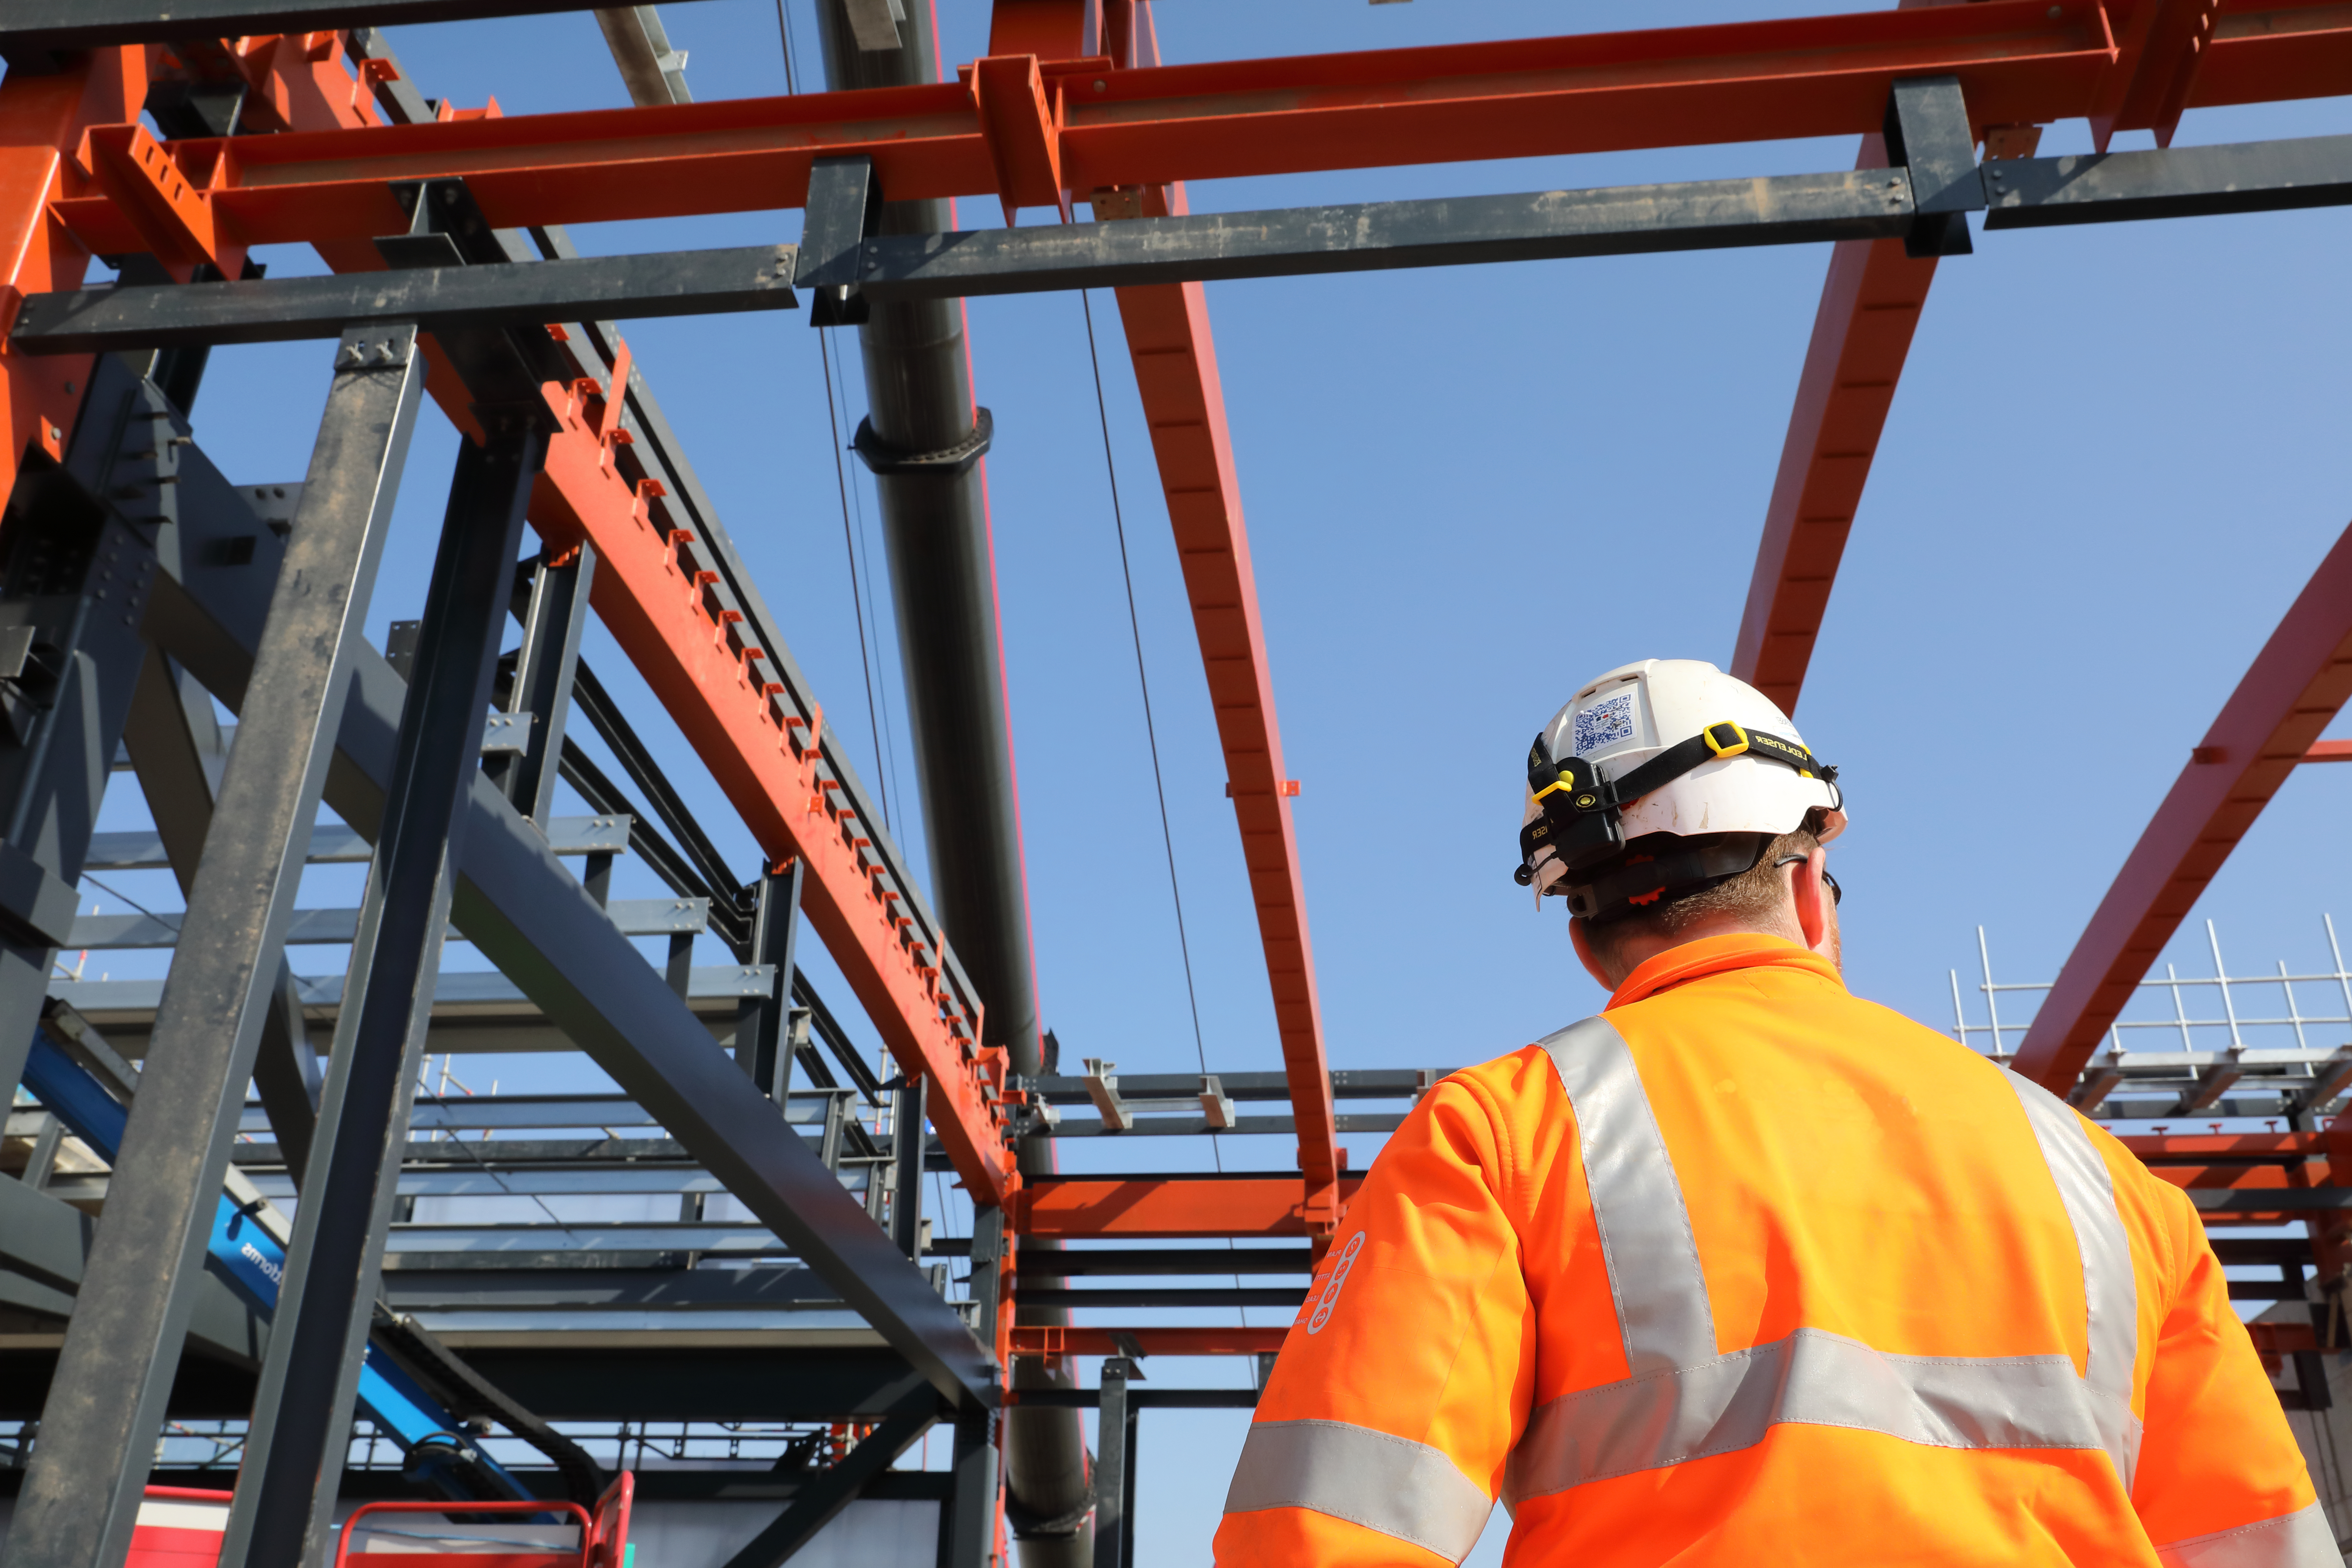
(2294, 689)
(2017, 60)
(1066, 1341)
(1175, 361)
(42, 122)
(649, 594)
(1165, 1207)
(1862, 335)
(2329, 751)
(2271, 1148)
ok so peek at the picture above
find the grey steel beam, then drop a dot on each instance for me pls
(540, 691)
(653, 72)
(81, 1492)
(1364, 236)
(1115, 1473)
(636, 917)
(332, 844)
(46, 1241)
(175, 747)
(34, 34)
(822, 1496)
(285, 1496)
(2178, 182)
(2027, 193)
(442, 299)
(518, 906)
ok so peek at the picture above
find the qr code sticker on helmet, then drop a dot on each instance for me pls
(1604, 723)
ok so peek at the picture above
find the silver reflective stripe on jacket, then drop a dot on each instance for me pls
(2300, 1540)
(1399, 1488)
(1685, 1400)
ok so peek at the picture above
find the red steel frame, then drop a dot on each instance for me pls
(1071, 104)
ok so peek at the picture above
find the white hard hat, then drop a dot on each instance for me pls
(1666, 746)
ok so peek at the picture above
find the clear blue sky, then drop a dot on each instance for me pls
(2116, 456)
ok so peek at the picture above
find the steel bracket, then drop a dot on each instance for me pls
(845, 210)
(1928, 133)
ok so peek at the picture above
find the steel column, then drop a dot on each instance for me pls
(302, 1408)
(761, 1042)
(544, 668)
(974, 1512)
(81, 1495)
(924, 439)
(908, 1141)
(1115, 1474)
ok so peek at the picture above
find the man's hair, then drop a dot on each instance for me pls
(1753, 896)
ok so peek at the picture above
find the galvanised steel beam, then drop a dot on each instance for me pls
(284, 1498)
(440, 299)
(34, 34)
(2019, 62)
(2294, 687)
(82, 1491)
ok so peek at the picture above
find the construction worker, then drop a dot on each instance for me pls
(1746, 1270)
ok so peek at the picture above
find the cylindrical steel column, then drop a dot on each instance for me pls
(943, 576)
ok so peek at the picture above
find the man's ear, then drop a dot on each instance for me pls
(1811, 891)
(1580, 937)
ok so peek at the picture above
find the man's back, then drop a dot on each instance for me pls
(1751, 1270)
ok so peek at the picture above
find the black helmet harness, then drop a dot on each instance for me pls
(1583, 822)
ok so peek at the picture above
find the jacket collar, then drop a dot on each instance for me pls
(1717, 956)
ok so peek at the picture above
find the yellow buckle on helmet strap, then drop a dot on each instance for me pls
(1734, 747)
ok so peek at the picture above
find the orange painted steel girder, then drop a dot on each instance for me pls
(1066, 1342)
(1165, 1207)
(1110, 128)
(1869, 307)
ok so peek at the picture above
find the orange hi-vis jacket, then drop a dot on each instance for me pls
(1748, 1271)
